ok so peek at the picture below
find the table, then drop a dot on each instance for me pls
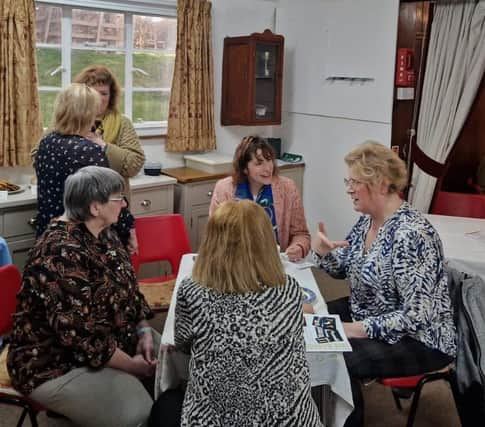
(463, 242)
(325, 368)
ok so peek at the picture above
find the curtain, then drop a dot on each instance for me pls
(191, 111)
(454, 69)
(20, 124)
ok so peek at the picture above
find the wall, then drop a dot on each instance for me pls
(324, 120)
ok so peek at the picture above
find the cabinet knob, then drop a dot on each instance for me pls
(32, 221)
(146, 203)
(209, 194)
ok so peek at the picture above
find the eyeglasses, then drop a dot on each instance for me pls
(122, 198)
(352, 183)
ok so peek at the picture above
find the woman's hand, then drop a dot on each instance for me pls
(354, 330)
(145, 347)
(141, 368)
(132, 243)
(308, 309)
(94, 137)
(322, 245)
(293, 253)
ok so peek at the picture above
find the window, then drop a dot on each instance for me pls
(137, 45)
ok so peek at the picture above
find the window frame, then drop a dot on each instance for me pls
(159, 8)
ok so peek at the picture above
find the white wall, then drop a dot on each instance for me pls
(324, 120)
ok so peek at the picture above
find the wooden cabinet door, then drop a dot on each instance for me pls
(252, 78)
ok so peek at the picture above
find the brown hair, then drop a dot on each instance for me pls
(374, 162)
(101, 75)
(238, 253)
(245, 152)
(75, 109)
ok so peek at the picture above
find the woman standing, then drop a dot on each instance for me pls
(399, 317)
(68, 147)
(255, 177)
(123, 148)
(241, 320)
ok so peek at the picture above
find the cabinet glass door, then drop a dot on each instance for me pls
(265, 81)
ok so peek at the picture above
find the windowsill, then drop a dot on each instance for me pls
(146, 130)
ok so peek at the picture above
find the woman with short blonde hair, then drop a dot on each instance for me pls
(241, 320)
(75, 109)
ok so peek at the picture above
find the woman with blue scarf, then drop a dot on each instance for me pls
(255, 177)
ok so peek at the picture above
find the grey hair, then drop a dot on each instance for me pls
(87, 185)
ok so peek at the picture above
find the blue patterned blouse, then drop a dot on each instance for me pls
(398, 286)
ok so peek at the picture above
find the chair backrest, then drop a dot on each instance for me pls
(10, 281)
(161, 238)
(459, 204)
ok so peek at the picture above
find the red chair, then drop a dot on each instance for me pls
(9, 286)
(459, 204)
(405, 387)
(160, 238)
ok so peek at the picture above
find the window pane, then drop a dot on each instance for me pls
(101, 29)
(47, 106)
(48, 63)
(153, 69)
(48, 23)
(115, 61)
(154, 33)
(150, 106)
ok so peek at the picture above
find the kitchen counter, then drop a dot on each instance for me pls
(140, 181)
(186, 175)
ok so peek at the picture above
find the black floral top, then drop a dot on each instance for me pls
(79, 301)
(57, 157)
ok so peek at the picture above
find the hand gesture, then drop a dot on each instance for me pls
(141, 368)
(322, 245)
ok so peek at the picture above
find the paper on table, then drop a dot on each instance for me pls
(325, 333)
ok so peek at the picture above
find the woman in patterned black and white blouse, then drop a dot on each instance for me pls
(399, 316)
(241, 319)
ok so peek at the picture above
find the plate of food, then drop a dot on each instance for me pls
(10, 187)
(308, 295)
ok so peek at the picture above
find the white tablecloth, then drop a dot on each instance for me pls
(463, 242)
(325, 368)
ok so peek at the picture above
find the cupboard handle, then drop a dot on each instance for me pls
(209, 194)
(146, 203)
(32, 221)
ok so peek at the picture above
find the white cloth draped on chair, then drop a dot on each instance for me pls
(454, 70)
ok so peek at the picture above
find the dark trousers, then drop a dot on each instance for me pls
(376, 359)
(167, 410)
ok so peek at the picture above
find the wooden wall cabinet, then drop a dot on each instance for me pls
(252, 74)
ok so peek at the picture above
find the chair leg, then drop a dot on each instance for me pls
(397, 400)
(33, 418)
(21, 420)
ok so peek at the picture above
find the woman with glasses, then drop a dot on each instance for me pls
(399, 317)
(112, 129)
(255, 177)
(69, 146)
(81, 343)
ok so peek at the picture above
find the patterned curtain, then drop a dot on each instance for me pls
(20, 124)
(191, 113)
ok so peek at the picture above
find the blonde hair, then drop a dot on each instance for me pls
(374, 162)
(75, 109)
(238, 253)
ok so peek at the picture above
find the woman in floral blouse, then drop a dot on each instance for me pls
(80, 341)
(399, 317)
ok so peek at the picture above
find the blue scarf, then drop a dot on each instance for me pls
(264, 199)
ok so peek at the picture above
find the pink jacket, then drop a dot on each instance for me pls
(290, 216)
